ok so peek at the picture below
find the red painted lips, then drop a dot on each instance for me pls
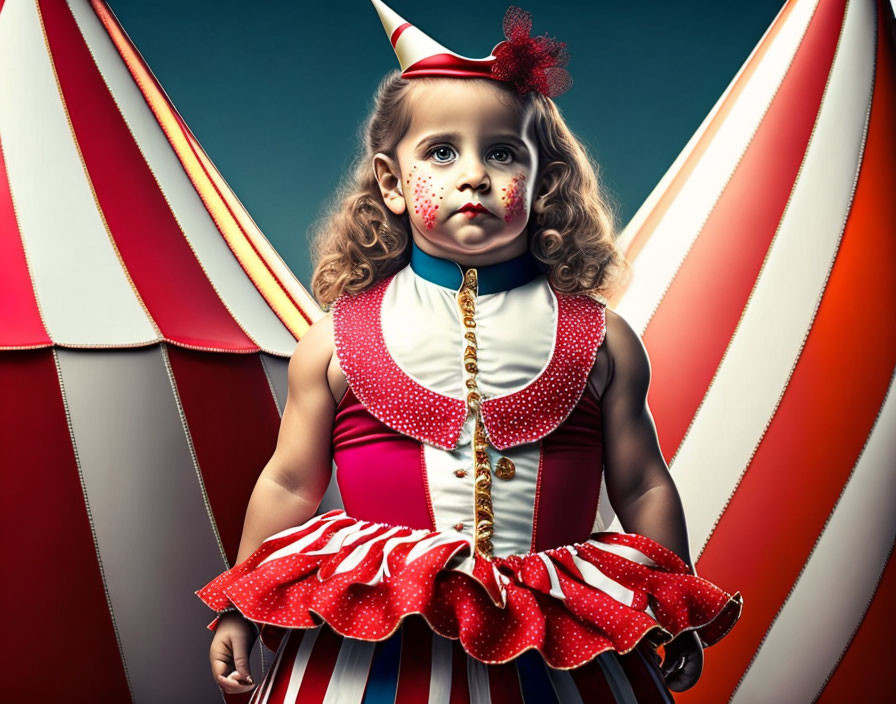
(473, 208)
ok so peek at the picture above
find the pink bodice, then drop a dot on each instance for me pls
(382, 474)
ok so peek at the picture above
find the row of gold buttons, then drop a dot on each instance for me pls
(482, 480)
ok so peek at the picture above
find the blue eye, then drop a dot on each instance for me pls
(507, 152)
(443, 154)
(442, 150)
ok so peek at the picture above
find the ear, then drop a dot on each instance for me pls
(550, 180)
(388, 176)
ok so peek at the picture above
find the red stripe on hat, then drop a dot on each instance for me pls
(460, 685)
(233, 423)
(51, 579)
(415, 668)
(671, 193)
(831, 402)
(449, 65)
(161, 264)
(727, 255)
(871, 654)
(398, 32)
(20, 321)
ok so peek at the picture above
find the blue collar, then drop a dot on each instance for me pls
(493, 278)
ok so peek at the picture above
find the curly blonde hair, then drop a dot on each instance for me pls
(360, 241)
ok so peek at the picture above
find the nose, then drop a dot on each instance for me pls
(473, 175)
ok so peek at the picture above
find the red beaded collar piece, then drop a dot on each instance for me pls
(529, 63)
(402, 403)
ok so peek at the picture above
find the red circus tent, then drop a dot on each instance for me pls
(765, 292)
(146, 326)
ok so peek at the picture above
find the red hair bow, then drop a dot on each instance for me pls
(530, 63)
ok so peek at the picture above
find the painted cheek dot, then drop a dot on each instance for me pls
(512, 198)
(424, 201)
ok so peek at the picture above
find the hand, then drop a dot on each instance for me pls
(229, 654)
(683, 663)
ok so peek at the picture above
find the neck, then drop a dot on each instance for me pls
(474, 259)
(493, 277)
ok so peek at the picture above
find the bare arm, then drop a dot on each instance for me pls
(638, 482)
(289, 489)
(293, 482)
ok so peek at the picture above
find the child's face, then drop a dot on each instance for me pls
(464, 145)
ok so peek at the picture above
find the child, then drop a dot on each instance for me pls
(471, 389)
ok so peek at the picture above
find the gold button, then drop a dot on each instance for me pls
(505, 469)
(466, 302)
(469, 321)
(470, 337)
(460, 472)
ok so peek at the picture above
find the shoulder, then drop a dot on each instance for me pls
(628, 363)
(313, 351)
(621, 356)
(314, 360)
(317, 338)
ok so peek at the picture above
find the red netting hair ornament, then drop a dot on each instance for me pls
(529, 63)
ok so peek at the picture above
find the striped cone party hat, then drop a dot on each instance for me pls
(529, 63)
(419, 54)
(765, 292)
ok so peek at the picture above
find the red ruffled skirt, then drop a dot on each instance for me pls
(569, 603)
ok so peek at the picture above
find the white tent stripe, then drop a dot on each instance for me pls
(152, 530)
(235, 289)
(277, 371)
(675, 233)
(85, 295)
(766, 346)
(87, 508)
(638, 219)
(831, 595)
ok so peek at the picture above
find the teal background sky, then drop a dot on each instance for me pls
(276, 91)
